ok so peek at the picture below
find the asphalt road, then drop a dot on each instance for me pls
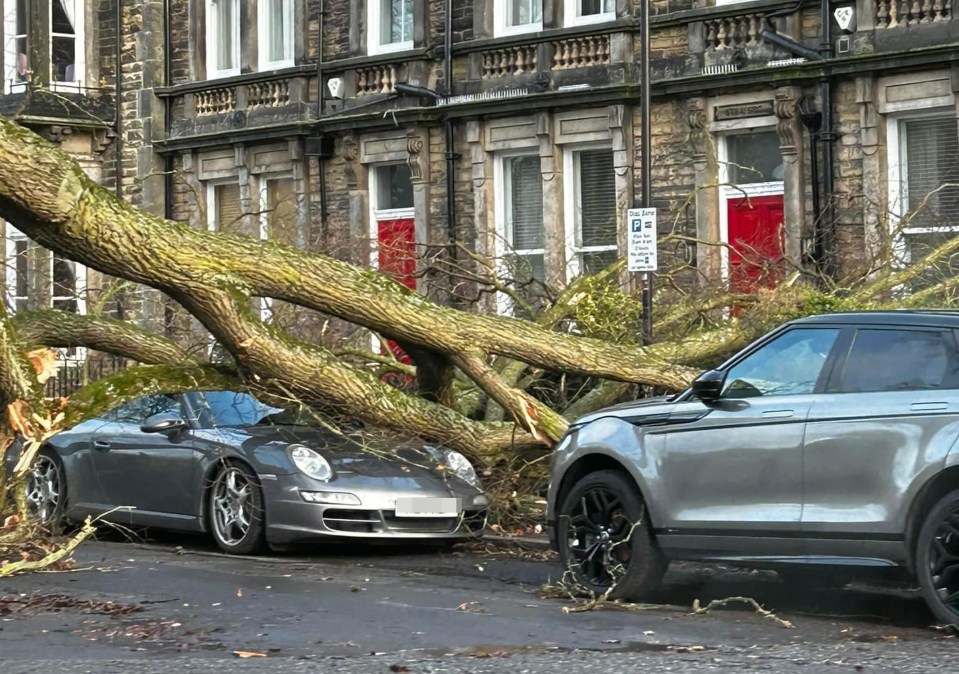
(153, 608)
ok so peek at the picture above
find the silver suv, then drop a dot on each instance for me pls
(830, 443)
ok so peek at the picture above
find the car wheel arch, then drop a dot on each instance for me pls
(591, 463)
(209, 475)
(937, 487)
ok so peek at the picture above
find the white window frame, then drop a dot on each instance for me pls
(898, 177)
(503, 223)
(571, 210)
(10, 49)
(377, 214)
(375, 24)
(729, 192)
(212, 42)
(67, 356)
(501, 25)
(572, 14)
(79, 47)
(263, 37)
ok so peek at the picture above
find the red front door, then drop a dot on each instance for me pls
(756, 257)
(396, 245)
(396, 256)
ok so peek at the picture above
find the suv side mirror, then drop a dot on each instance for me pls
(165, 422)
(709, 385)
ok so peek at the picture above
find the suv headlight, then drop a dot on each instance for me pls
(310, 462)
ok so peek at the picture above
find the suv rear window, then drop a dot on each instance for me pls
(901, 360)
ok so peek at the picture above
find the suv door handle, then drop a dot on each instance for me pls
(929, 407)
(101, 444)
(777, 414)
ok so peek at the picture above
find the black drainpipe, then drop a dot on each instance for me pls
(825, 222)
(167, 110)
(320, 98)
(448, 123)
(118, 92)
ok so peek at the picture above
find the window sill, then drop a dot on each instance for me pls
(392, 48)
(590, 20)
(513, 31)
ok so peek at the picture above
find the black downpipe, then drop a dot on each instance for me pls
(320, 98)
(825, 223)
(448, 123)
(167, 113)
(118, 92)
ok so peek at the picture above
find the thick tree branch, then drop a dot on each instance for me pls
(65, 329)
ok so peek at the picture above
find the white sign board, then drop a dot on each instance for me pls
(641, 239)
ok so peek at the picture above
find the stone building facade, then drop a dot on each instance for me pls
(391, 132)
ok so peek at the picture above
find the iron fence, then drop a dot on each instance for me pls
(75, 373)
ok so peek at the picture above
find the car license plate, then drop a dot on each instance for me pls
(427, 507)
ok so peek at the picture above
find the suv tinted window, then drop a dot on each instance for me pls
(900, 360)
(789, 365)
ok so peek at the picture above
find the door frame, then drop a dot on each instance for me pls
(729, 192)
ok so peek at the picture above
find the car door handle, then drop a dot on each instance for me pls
(777, 414)
(929, 407)
(101, 444)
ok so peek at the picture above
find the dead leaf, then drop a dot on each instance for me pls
(249, 654)
(44, 363)
(399, 668)
(18, 413)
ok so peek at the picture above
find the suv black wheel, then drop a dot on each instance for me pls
(937, 559)
(604, 538)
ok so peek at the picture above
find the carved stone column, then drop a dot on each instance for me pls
(621, 135)
(874, 207)
(418, 140)
(356, 184)
(484, 225)
(794, 181)
(708, 257)
(554, 232)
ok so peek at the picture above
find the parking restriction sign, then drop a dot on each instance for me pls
(641, 239)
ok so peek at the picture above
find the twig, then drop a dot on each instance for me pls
(719, 603)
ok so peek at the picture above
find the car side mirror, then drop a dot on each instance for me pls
(165, 422)
(709, 385)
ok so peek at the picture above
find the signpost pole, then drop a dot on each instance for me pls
(646, 141)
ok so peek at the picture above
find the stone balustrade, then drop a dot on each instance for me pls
(268, 94)
(377, 79)
(509, 61)
(215, 101)
(581, 52)
(898, 13)
(732, 32)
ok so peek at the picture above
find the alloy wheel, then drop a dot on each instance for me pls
(599, 532)
(43, 489)
(233, 505)
(943, 561)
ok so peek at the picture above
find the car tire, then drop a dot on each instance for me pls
(937, 559)
(604, 538)
(236, 511)
(46, 488)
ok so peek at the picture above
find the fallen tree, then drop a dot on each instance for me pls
(479, 376)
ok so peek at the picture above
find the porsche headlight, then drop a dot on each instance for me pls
(310, 462)
(460, 466)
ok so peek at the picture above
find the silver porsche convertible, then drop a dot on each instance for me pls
(251, 475)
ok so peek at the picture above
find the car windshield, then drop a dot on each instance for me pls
(231, 409)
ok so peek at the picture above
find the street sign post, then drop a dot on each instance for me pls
(641, 248)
